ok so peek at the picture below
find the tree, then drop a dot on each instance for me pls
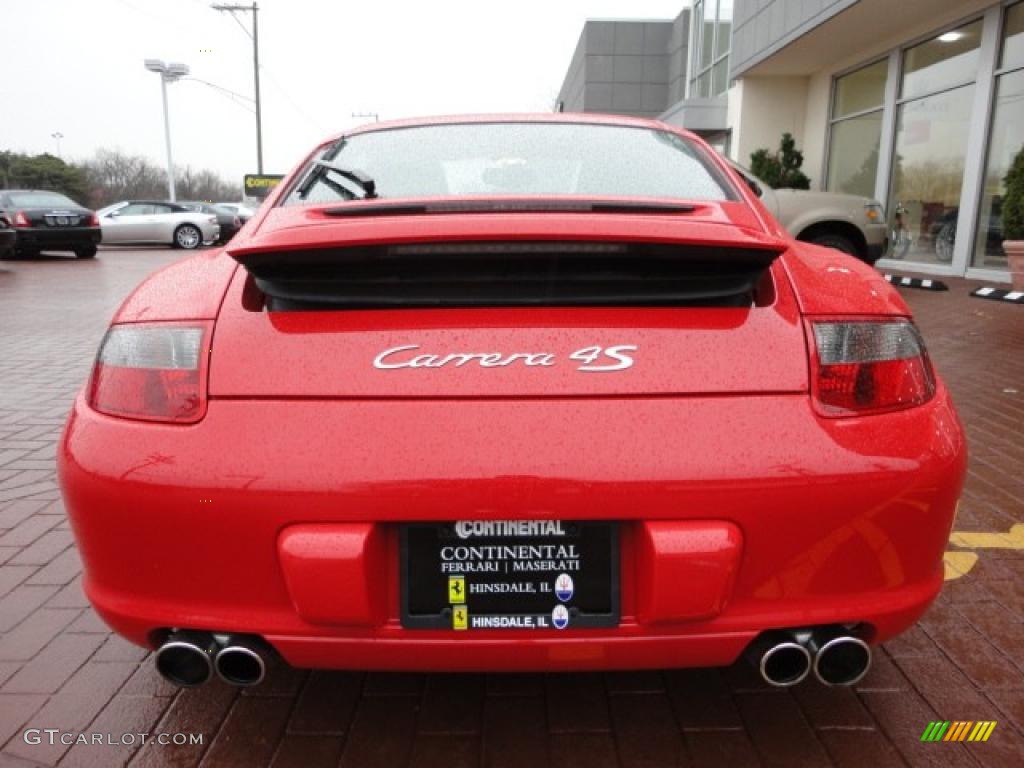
(42, 172)
(114, 175)
(1013, 199)
(782, 168)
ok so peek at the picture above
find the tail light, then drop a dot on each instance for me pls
(92, 220)
(21, 220)
(152, 372)
(869, 366)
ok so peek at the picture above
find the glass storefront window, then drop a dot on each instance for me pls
(853, 154)
(1007, 139)
(928, 169)
(854, 141)
(1013, 38)
(860, 90)
(944, 61)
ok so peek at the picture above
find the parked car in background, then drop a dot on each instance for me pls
(848, 223)
(148, 221)
(244, 212)
(7, 237)
(48, 221)
(537, 392)
(229, 221)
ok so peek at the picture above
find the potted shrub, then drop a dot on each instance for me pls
(1013, 220)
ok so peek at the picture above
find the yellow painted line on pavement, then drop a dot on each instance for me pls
(1012, 540)
(959, 563)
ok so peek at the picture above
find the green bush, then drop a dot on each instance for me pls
(1013, 199)
(780, 169)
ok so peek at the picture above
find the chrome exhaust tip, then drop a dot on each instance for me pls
(785, 664)
(186, 658)
(840, 659)
(781, 659)
(240, 662)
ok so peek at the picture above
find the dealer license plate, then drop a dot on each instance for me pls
(510, 574)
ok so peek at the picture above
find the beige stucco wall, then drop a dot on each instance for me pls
(761, 109)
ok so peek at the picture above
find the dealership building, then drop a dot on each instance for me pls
(918, 103)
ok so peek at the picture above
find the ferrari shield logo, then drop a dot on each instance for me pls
(460, 617)
(456, 589)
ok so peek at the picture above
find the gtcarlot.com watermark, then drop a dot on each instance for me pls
(68, 738)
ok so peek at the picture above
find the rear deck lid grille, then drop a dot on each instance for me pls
(510, 274)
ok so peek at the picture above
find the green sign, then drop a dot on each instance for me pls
(259, 185)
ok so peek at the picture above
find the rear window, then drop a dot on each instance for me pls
(495, 159)
(40, 200)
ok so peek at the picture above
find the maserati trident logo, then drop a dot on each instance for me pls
(589, 359)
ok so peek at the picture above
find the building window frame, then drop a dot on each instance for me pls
(972, 184)
(697, 71)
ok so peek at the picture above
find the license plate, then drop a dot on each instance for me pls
(510, 574)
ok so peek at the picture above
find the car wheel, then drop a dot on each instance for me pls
(944, 242)
(188, 237)
(836, 241)
(86, 252)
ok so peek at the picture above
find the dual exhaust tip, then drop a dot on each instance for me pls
(189, 659)
(835, 657)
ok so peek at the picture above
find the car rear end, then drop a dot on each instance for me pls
(510, 434)
(45, 221)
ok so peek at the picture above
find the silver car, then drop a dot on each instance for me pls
(849, 223)
(145, 221)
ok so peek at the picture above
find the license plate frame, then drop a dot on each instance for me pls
(594, 590)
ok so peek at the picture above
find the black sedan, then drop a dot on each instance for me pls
(229, 222)
(48, 221)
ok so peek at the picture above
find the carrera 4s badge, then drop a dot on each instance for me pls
(589, 359)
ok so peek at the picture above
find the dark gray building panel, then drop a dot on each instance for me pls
(761, 27)
(630, 67)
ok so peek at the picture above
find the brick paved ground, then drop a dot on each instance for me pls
(61, 668)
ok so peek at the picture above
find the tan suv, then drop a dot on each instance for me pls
(849, 223)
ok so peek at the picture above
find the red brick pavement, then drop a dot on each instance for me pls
(61, 668)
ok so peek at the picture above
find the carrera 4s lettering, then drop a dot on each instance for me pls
(593, 359)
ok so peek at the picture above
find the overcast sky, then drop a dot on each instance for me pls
(76, 67)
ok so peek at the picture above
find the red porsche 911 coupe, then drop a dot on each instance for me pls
(513, 393)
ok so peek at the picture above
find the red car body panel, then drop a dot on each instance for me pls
(741, 508)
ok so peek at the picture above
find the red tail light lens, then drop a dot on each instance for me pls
(869, 366)
(152, 373)
(92, 220)
(21, 220)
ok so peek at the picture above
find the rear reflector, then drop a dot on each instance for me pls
(869, 366)
(152, 373)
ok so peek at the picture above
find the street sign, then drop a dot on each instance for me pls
(260, 184)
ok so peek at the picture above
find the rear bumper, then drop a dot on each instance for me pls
(841, 521)
(57, 239)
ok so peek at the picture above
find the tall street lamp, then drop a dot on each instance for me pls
(57, 136)
(255, 35)
(168, 74)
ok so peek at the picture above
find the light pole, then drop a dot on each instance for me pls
(255, 35)
(57, 136)
(374, 115)
(168, 74)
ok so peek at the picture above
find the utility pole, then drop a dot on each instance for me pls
(255, 35)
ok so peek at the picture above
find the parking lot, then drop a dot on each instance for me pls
(60, 668)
